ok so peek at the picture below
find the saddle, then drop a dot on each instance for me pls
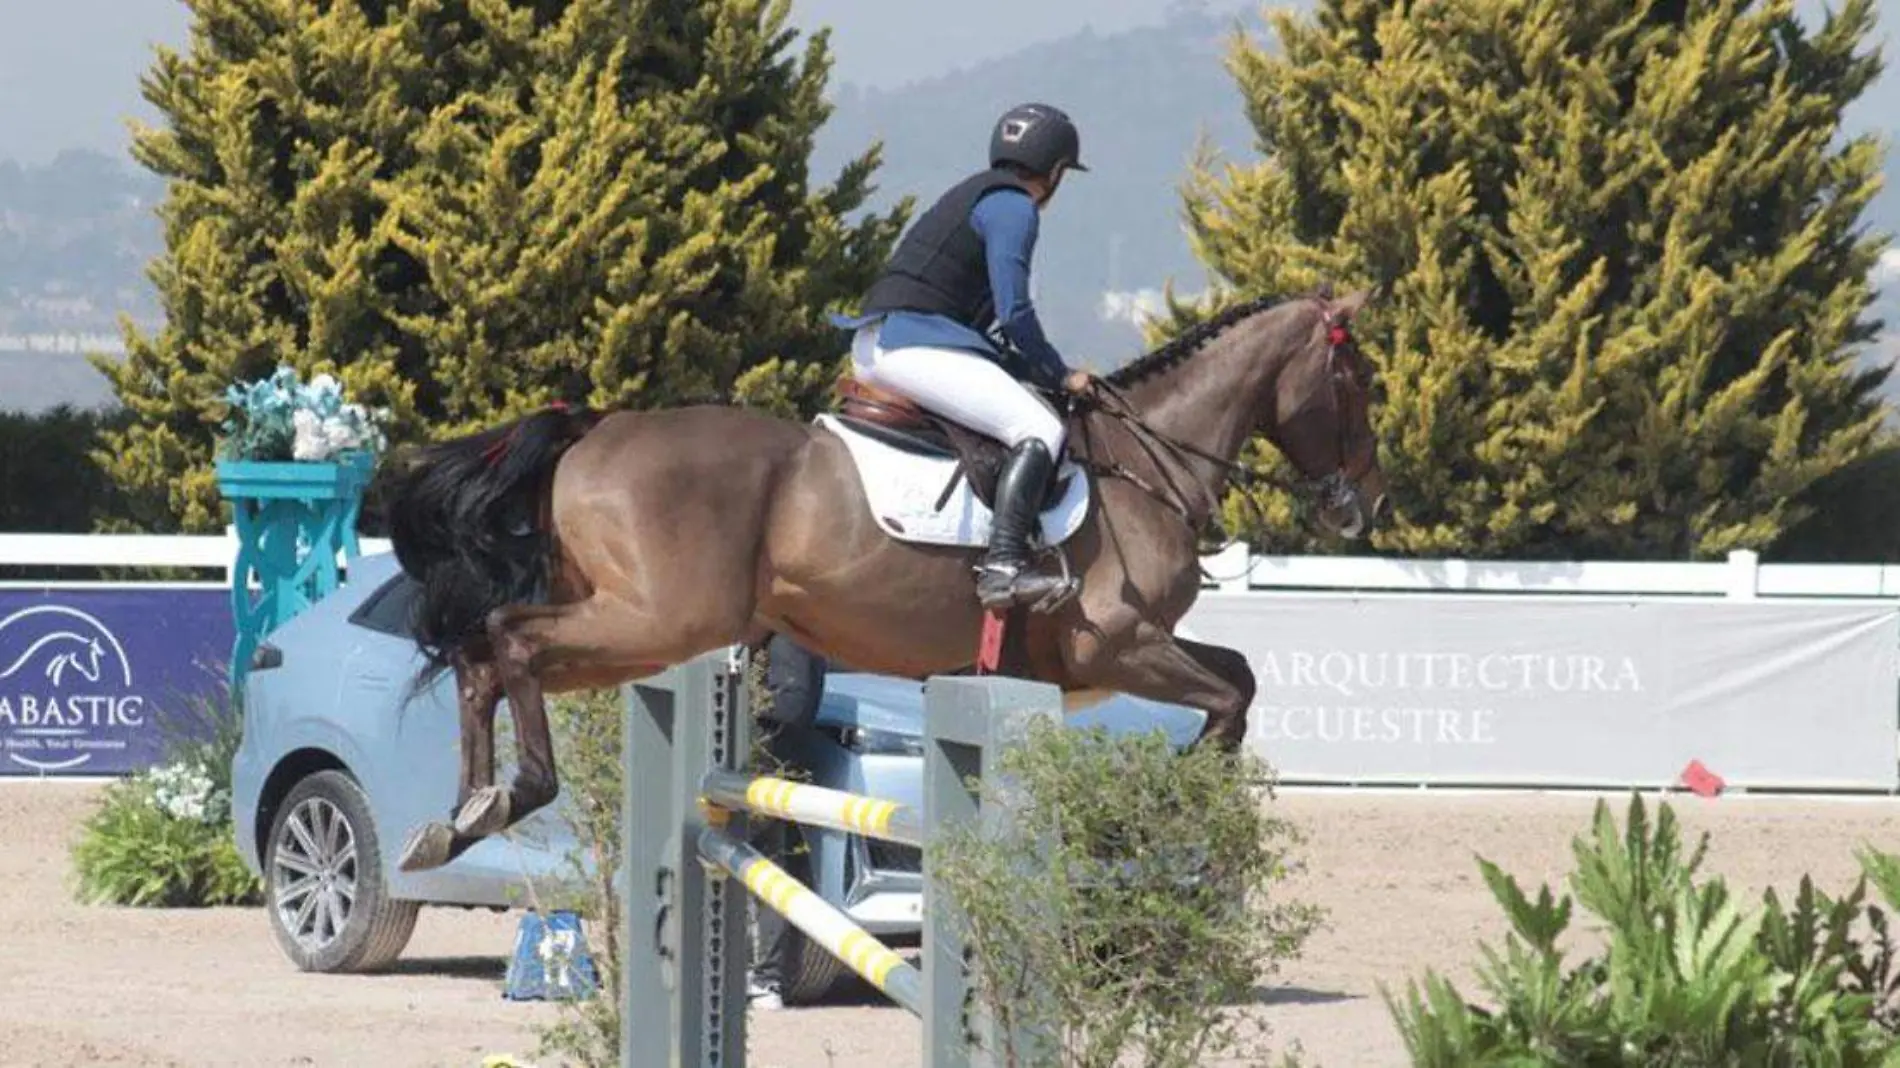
(900, 423)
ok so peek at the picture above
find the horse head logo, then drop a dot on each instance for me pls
(83, 659)
(75, 645)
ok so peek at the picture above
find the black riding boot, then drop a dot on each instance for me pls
(1004, 577)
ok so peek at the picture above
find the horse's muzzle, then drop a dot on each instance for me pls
(1344, 512)
(1342, 507)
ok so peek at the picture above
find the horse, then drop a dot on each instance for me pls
(573, 549)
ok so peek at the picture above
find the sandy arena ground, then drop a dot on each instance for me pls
(106, 986)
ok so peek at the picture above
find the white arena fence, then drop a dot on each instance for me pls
(202, 552)
(1566, 674)
(1434, 672)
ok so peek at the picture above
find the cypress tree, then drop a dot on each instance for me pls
(467, 208)
(1623, 251)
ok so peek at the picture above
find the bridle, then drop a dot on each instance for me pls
(1334, 488)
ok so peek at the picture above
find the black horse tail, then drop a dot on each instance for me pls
(466, 518)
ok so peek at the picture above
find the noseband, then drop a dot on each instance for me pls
(1332, 489)
(1335, 488)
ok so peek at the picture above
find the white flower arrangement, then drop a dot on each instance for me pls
(281, 418)
(186, 792)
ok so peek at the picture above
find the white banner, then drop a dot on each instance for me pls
(1527, 690)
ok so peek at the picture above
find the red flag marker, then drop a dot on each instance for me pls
(989, 651)
(1701, 781)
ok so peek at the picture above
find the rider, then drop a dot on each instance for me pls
(922, 332)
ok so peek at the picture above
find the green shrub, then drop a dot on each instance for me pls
(164, 837)
(1125, 902)
(140, 849)
(1690, 975)
(587, 734)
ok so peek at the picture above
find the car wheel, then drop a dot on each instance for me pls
(324, 891)
(808, 974)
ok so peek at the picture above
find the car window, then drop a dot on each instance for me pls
(387, 610)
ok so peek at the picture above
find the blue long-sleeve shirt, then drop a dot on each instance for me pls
(1007, 221)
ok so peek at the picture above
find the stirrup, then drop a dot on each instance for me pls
(1001, 584)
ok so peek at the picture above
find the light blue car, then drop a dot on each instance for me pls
(335, 767)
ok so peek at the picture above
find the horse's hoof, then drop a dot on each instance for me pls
(485, 813)
(428, 847)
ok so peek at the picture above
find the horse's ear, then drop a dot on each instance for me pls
(1350, 305)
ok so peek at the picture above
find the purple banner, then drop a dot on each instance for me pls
(96, 680)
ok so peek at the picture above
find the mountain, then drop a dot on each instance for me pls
(69, 69)
(877, 44)
(75, 237)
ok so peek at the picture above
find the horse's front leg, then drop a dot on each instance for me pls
(1154, 664)
(1226, 722)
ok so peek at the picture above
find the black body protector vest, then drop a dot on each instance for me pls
(939, 266)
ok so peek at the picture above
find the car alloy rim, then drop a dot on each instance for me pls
(314, 873)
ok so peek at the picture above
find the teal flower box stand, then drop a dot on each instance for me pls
(294, 519)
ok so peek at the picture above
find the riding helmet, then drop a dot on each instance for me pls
(1038, 137)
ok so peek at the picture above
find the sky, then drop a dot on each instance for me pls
(69, 69)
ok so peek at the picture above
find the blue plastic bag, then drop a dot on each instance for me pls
(550, 962)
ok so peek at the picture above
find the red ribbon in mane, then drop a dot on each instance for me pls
(494, 453)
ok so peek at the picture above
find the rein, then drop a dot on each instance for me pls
(1327, 487)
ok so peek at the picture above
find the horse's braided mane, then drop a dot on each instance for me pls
(1188, 342)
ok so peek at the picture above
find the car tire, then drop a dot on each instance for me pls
(808, 974)
(347, 872)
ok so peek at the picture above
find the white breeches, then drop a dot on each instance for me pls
(963, 387)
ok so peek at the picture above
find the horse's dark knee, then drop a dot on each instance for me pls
(1227, 724)
(1238, 674)
(532, 792)
(536, 782)
(1244, 683)
(1225, 727)
(1236, 732)
(1225, 734)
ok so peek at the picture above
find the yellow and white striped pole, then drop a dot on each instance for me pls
(821, 923)
(816, 806)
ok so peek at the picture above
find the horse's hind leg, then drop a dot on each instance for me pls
(477, 692)
(596, 634)
(492, 808)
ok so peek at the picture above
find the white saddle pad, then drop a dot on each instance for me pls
(903, 488)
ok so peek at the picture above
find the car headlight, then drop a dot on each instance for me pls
(874, 742)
